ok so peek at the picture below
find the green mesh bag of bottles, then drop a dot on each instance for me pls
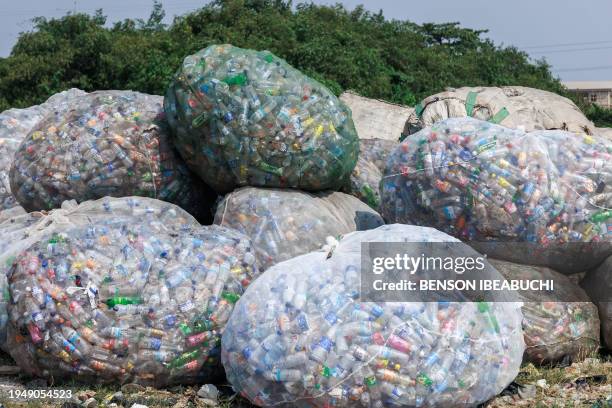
(243, 117)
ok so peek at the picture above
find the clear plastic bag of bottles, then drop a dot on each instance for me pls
(21, 232)
(107, 143)
(15, 124)
(598, 285)
(567, 329)
(365, 178)
(541, 198)
(139, 299)
(300, 337)
(516, 107)
(285, 223)
(242, 117)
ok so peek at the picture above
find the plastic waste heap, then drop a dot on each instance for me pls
(243, 117)
(283, 223)
(300, 337)
(107, 143)
(137, 296)
(498, 187)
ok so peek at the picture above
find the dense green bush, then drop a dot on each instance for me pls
(398, 61)
(602, 117)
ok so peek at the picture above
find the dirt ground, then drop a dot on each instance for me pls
(586, 384)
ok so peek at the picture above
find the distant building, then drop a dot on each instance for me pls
(597, 92)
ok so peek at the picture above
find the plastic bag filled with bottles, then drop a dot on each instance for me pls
(299, 336)
(598, 285)
(127, 299)
(21, 232)
(285, 223)
(244, 117)
(15, 124)
(541, 198)
(560, 325)
(365, 178)
(107, 143)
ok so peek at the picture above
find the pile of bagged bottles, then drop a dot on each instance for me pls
(300, 336)
(110, 278)
(242, 117)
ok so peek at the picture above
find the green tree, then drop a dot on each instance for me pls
(398, 61)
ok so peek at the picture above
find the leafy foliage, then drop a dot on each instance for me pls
(602, 117)
(398, 61)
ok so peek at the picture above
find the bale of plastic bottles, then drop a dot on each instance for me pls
(598, 285)
(121, 299)
(15, 124)
(107, 143)
(299, 336)
(285, 223)
(560, 325)
(243, 117)
(540, 198)
(516, 107)
(23, 231)
(365, 179)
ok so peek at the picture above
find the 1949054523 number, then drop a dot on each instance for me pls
(39, 394)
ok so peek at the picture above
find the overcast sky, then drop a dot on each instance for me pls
(574, 36)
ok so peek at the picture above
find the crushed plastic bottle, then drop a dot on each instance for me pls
(365, 178)
(15, 124)
(242, 117)
(300, 337)
(107, 143)
(127, 299)
(496, 187)
(283, 223)
(21, 232)
(565, 329)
